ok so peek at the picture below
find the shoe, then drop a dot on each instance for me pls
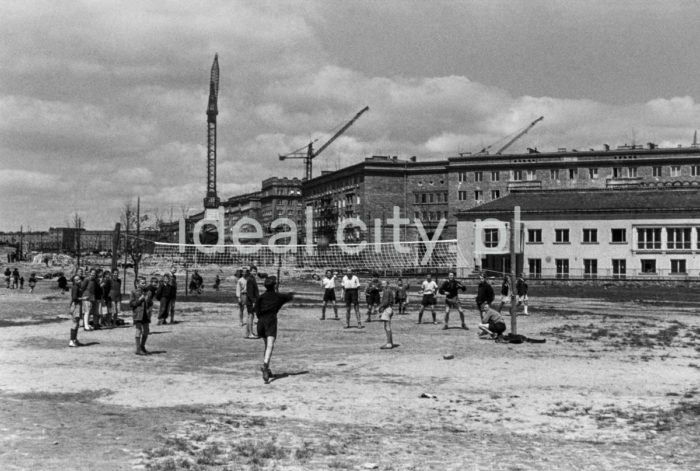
(346, 326)
(336, 318)
(360, 326)
(369, 319)
(444, 327)
(434, 322)
(322, 319)
(464, 326)
(73, 343)
(265, 374)
(388, 346)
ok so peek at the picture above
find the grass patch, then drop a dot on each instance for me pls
(82, 397)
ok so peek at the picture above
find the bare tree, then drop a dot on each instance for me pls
(131, 220)
(78, 225)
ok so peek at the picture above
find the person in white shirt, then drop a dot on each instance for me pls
(328, 283)
(241, 286)
(351, 285)
(428, 289)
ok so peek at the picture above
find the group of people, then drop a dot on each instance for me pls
(13, 279)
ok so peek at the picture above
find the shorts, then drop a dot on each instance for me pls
(497, 328)
(373, 298)
(386, 314)
(452, 302)
(505, 298)
(351, 297)
(329, 295)
(76, 309)
(522, 298)
(428, 300)
(242, 300)
(267, 326)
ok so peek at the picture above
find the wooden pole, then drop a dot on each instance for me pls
(115, 246)
(513, 265)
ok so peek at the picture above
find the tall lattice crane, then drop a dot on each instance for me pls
(310, 154)
(515, 138)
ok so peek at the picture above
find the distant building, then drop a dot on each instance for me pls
(593, 233)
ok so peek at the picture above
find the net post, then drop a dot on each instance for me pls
(513, 263)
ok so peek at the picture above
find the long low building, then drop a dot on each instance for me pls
(642, 233)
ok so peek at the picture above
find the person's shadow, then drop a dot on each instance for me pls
(277, 376)
(157, 352)
(89, 344)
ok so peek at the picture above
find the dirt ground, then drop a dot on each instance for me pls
(615, 386)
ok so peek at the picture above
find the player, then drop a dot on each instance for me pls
(505, 291)
(75, 309)
(141, 301)
(402, 295)
(386, 311)
(251, 297)
(484, 295)
(450, 288)
(115, 294)
(428, 289)
(88, 288)
(106, 288)
(32, 282)
(328, 283)
(351, 285)
(8, 275)
(241, 285)
(373, 296)
(266, 308)
(173, 293)
(521, 291)
(217, 282)
(492, 324)
(163, 295)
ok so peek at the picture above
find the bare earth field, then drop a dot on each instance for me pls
(616, 386)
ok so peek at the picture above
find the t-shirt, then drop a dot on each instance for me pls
(493, 316)
(351, 283)
(269, 303)
(241, 286)
(429, 287)
(328, 283)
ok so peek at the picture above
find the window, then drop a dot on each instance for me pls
(590, 236)
(632, 172)
(431, 216)
(593, 173)
(438, 197)
(444, 197)
(554, 174)
(590, 268)
(478, 195)
(648, 238)
(478, 176)
(495, 176)
(516, 175)
(431, 197)
(648, 266)
(462, 177)
(695, 170)
(462, 195)
(562, 265)
(561, 236)
(416, 215)
(676, 171)
(490, 238)
(656, 171)
(573, 173)
(619, 268)
(678, 238)
(530, 175)
(619, 236)
(534, 236)
(678, 266)
(495, 194)
(423, 198)
(617, 172)
(534, 267)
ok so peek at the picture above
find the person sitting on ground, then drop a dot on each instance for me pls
(266, 308)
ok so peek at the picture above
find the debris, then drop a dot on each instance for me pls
(428, 396)
(448, 357)
(370, 466)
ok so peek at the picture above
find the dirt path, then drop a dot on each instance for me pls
(616, 385)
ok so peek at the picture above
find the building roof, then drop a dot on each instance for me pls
(622, 203)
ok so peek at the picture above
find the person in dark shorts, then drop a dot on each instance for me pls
(521, 291)
(251, 298)
(451, 288)
(505, 292)
(402, 295)
(484, 295)
(141, 301)
(428, 289)
(351, 286)
(373, 296)
(266, 308)
(492, 324)
(163, 295)
(328, 283)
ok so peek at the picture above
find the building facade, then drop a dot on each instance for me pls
(588, 234)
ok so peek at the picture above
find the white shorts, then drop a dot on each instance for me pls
(505, 298)
(386, 314)
(522, 299)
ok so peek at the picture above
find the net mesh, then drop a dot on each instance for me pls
(301, 260)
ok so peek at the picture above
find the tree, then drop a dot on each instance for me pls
(78, 225)
(133, 246)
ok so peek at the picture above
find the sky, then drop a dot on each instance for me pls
(102, 102)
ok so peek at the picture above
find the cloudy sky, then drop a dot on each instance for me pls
(104, 101)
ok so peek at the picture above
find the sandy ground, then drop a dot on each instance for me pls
(616, 386)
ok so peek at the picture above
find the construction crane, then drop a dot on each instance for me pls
(517, 136)
(310, 154)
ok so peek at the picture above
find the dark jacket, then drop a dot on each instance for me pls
(75, 293)
(505, 287)
(141, 307)
(115, 289)
(521, 287)
(451, 288)
(269, 303)
(252, 292)
(165, 291)
(105, 288)
(484, 294)
(88, 288)
(388, 298)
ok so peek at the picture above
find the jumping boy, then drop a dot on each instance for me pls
(328, 283)
(428, 289)
(266, 308)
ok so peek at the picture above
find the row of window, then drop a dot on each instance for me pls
(590, 267)
(430, 215)
(431, 197)
(593, 173)
(463, 195)
(589, 236)
(648, 238)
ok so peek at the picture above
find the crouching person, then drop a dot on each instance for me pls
(141, 302)
(492, 324)
(266, 307)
